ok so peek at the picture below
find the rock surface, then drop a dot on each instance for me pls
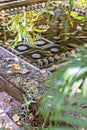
(30, 83)
(6, 104)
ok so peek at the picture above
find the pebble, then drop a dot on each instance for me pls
(79, 28)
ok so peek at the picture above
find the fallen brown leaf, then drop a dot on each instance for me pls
(19, 70)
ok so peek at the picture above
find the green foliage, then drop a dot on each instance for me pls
(67, 23)
(76, 16)
(62, 106)
(26, 127)
(25, 25)
(71, 3)
(69, 13)
(82, 3)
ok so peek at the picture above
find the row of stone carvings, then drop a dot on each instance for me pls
(17, 7)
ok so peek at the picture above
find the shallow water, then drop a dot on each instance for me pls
(51, 43)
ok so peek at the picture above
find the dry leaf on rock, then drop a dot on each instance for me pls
(20, 71)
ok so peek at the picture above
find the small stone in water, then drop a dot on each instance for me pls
(36, 56)
(54, 50)
(68, 53)
(56, 38)
(26, 37)
(1, 41)
(40, 63)
(22, 48)
(44, 26)
(9, 40)
(62, 55)
(56, 57)
(40, 42)
(45, 61)
(79, 28)
(81, 37)
(51, 60)
(43, 5)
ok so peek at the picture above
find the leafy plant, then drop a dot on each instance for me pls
(82, 3)
(76, 16)
(62, 106)
(68, 18)
(25, 26)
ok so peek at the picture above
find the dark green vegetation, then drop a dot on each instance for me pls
(64, 105)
